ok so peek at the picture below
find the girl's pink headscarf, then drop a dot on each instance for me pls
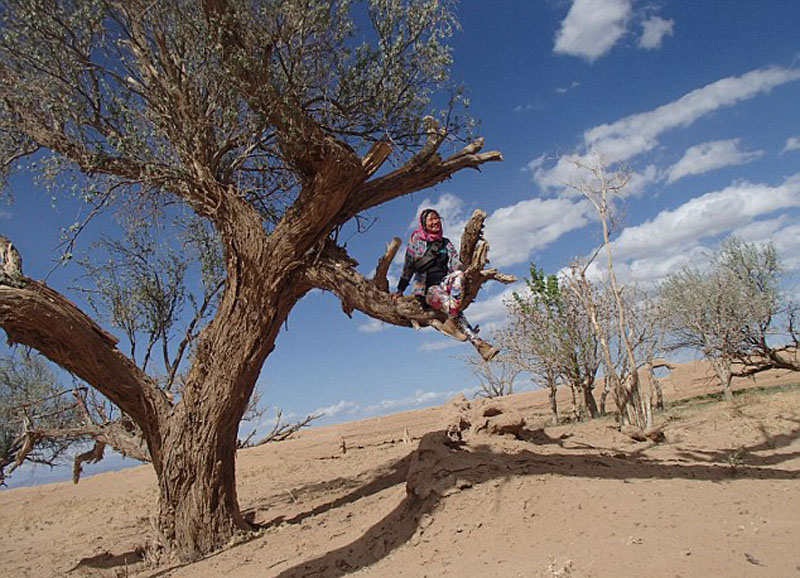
(422, 232)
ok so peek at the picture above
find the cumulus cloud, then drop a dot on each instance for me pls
(762, 231)
(649, 270)
(649, 252)
(655, 29)
(710, 156)
(515, 232)
(491, 312)
(639, 133)
(792, 144)
(709, 215)
(787, 244)
(592, 27)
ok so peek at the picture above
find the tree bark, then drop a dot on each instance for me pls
(198, 507)
(553, 404)
(589, 401)
(725, 376)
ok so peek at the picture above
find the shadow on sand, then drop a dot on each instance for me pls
(438, 467)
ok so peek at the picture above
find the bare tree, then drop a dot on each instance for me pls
(728, 311)
(600, 189)
(496, 377)
(269, 120)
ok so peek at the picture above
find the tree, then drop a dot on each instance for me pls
(728, 312)
(496, 377)
(31, 398)
(549, 336)
(270, 120)
(770, 338)
(600, 188)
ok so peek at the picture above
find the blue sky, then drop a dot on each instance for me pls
(699, 99)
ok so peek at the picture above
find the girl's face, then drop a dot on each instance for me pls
(433, 224)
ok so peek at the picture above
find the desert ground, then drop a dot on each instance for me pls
(393, 496)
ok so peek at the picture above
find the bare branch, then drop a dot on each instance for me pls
(380, 280)
(422, 171)
(281, 430)
(375, 158)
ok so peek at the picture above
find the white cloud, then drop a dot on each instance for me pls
(592, 27)
(787, 244)
(792, 144)
(530, 107)
(639, 181)
(5, 215)
(440, 345)
(709, 215)
(515, 232)
(373, 325)
(654, 31)
(710, 156)
(450, 208)
(783, 232)
(641, 130)
(419, 398)
(638, 133)
(762, 231)
(650, 270)
(567, 174)
(564, 172)
(330, 411)
(565, 89)
(491, 313)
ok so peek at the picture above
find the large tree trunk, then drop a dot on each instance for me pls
(198, 508)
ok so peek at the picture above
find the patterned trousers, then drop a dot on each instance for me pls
(447, 296)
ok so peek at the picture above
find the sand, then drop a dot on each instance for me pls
(720, 496)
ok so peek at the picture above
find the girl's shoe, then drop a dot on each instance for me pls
(487, 350)
(450, 327)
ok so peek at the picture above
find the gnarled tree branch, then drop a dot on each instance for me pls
(39, 317)
(335, 271)
(423, 170)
